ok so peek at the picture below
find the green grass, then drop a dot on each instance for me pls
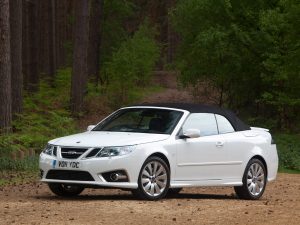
(288, 147)
(45, 116)
(283, 170)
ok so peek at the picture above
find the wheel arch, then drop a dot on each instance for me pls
(162, 156)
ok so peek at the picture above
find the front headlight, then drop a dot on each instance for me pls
(48, 149)
(115, 151)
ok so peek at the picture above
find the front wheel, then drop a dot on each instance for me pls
(254, 181)
(65, 190)
(154, 179)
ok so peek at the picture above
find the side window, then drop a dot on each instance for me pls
(224, 125)
(205, 122)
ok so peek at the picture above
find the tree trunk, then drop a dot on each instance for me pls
(29, 46)
(5, 68)
(171, 35)
(79, 74)
(16, 55)
(33, 47)
(52, 47)
(44, 39)
(95, 24)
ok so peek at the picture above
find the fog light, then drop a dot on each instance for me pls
(115, 176)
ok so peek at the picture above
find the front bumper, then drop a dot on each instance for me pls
(95, 167)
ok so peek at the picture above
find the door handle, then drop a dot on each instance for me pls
(219, 143)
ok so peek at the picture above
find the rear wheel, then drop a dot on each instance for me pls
(154, 179)
(65, 190)
(254, 181)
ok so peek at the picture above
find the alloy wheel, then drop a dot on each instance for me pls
(154, 178)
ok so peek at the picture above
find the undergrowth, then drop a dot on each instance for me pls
(45, 117)
(288, 147)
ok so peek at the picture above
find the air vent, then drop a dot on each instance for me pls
(69, 175)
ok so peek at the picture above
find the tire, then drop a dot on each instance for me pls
(174, 191)
(65, 190)
(254, 181)
(154, 179)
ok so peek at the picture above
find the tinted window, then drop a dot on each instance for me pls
(205, 122)
(141, 120)
(224, 125)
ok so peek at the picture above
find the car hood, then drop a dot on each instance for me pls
(104, 138)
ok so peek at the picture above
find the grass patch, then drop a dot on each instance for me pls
(45, 116)
(18, 171)
(8, 177)
(288, 147)
(283, 170)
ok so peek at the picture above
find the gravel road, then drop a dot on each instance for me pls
(32, 203)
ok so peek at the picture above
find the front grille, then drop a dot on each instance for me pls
(72, 153)
(69, 175)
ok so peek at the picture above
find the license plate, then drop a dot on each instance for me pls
(68, 164)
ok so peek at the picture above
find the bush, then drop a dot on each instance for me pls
(288, 147)
(131, 65)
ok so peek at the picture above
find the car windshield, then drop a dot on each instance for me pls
(141, 120)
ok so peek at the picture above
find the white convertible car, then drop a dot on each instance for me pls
(158, 149)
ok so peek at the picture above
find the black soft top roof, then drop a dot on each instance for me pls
(200, 108)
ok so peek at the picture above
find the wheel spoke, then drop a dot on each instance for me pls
(160, 184)
(249, 174)
(257, 189)
(261, 177)
(146, 173)
(149, 166)
(152, 189)
(147, 187)
(252, 171)
(157, 189)
(155, 168)
(145, 180)
(259, 172)
(162, 177)
(249, 181)
(159, 170)
(251, 188)
(260, 184)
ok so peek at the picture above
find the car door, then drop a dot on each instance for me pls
(236, 146)
(202, 158)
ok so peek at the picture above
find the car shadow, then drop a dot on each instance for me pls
(129, 197)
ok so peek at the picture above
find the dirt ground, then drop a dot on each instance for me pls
(32, 203)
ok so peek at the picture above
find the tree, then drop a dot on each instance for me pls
(221, 45)
(52, 38)
(30, 48)
(5, 68)
(15, 8)
(95, 29)
(131, 65)
(171, 35)
(249, 52)
(280, 77)
(79, 72)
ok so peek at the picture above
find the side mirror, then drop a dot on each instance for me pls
(190, 133)
(90, 127)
